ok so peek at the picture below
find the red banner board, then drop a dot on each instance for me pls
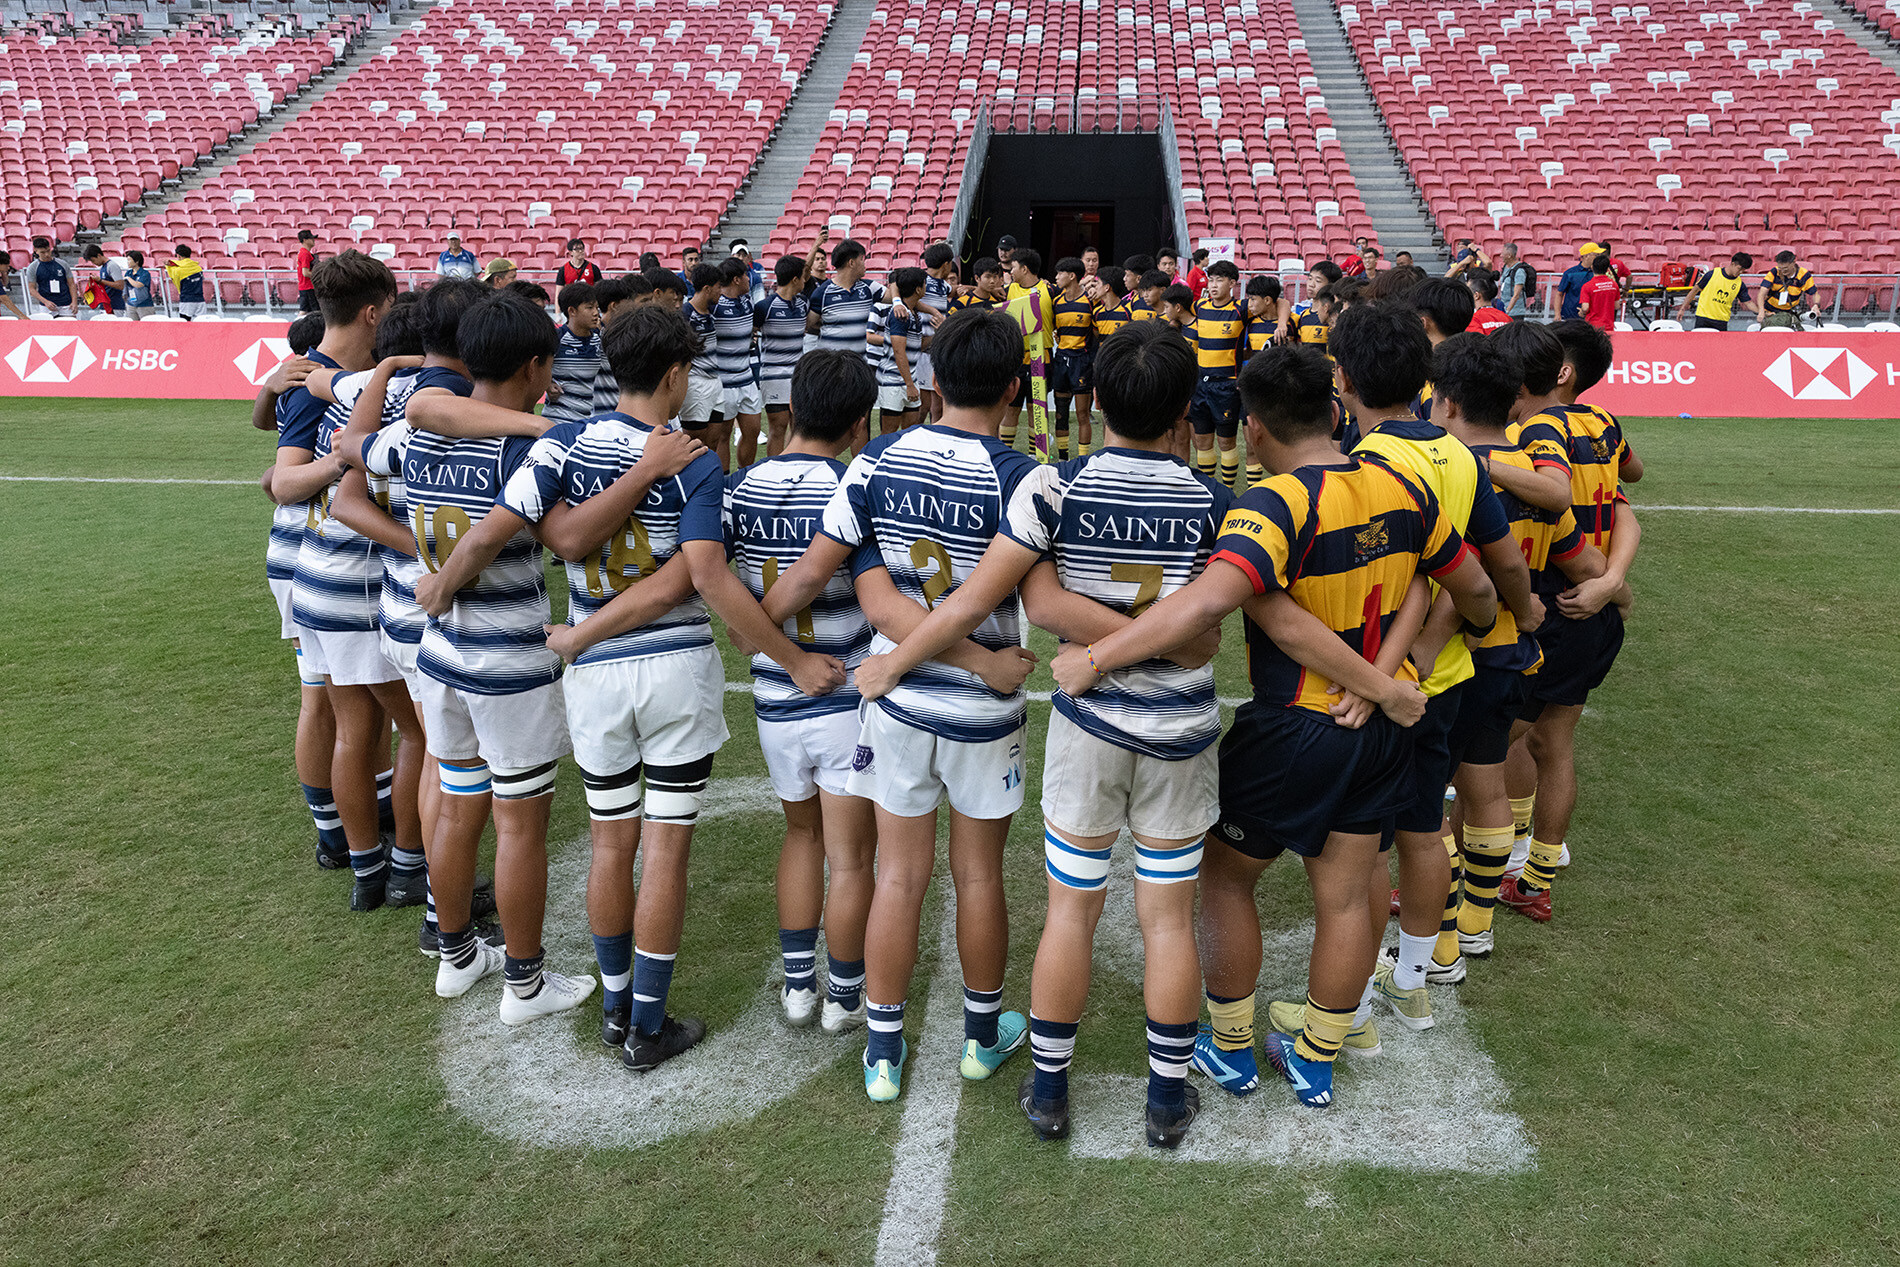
(1737, 375)
(1821, 374)
(133, 360)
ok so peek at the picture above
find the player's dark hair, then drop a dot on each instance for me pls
(650, 259)
(906, 282)
(1538, 353)
(1478, 376)
(1265, 287)
(1167, 253)
(1600, 265)
(306, 235)
(46, 244)
(1200, 256)
(1587, 348)
(93, 251)
(975, 355)
(182, 251)
(1180, 294)
(572, 243)
(1138, 265)
(639, 284)
(1224, 268)
(1446, 300)
(937, 254)
(846, 251)
(731, 270)
(665, 279)
(1288, 389)
(1115, 277)
(1144, 378)
(1394, 282)
(1154, 279)
(1031, 260)
(612, 290)
(533, 292)
(1784, 257)
(1742, 258)
(832, 390)
(644, 344)
(500, 336)
(986, 267)
(305, 332)
(704, 277)
(1483, 284)
(399, 331)
(349, 282)
(443, 307)
(1382, 349)
(574, 294)
(1070, 265)
(1345, 291)
(1329, 270)
(788, 269)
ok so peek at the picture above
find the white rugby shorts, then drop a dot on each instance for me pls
(743, 400)
(808, 754)
(350, 658)
(508, 732)
(704, 396)
(894, 400)
(1091, 787)
(663, 710)
(909, 772)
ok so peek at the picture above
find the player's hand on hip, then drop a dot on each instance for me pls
(1351, 711)
(1073, 672)
(874, 677)
(1009, 669)
(564, 641)
(817, 674)
(433, 594)
(1404, 703)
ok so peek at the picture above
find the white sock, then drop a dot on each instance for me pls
(1364, 1011)
(1414, 954)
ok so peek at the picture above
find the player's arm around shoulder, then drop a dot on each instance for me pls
(575, 530)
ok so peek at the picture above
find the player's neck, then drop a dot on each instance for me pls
(647, 410)
(807, 446)
(508, 395)
(1472, 435)
(1160, 444)
(978, 422)
(1566, 397)
(353, 346)
(1535, 405)
(790, 291)
(434, 360)
(1318, 451)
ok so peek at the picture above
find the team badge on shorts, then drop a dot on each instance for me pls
(861, 759)
(1232, 832)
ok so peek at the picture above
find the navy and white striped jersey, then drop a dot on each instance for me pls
(937, 294)
(606, 388)
(339, 579)
(1126, 527)
(844, 314)
(910, 332)
(299, 417)
(773, 509)
(382, 455)
(576, 461)
(706, 364)
(491, 641)
(576, 370)
(931, 498)
(732, 340)
(782, 337)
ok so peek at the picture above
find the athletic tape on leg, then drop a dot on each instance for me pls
(674, 792)
(465, 779)
(524, 783)
(1073, 866)
(1167, 866)
(613, 797)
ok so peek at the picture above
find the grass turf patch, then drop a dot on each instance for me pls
(206, 1058)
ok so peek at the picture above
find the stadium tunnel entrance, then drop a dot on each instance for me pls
(1061, 193)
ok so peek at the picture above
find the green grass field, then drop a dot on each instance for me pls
(205, 1058)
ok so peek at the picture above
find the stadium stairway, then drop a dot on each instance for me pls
(371, 44)
(755, 213)
(1855, 26)
(1391, 200)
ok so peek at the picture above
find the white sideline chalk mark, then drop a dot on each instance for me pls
(1773, 510)
(1431, 1102)
(543, 1086)
(914, 1203)
(99, 479)
(1036, 697)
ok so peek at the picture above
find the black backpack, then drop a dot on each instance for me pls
(1528, 284)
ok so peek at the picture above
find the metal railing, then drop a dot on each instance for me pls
(260, 290)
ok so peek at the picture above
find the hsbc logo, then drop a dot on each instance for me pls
(257, 361)
(1820, 374)
(50, 358)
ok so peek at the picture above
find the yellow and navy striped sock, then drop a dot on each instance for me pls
(1204, 461)
(1230, 468)
(1233, 1021)
(1446, 952)
(1487, 849)
(1541, 869)
(1009, 429)
(1324, 1031)
(1521, 807)
(1256, 474)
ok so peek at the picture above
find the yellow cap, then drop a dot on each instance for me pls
(1590, 248)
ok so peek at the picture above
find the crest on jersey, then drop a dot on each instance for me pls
(861, 759)
(1372, 539)
(50, 358)
(1600, 448)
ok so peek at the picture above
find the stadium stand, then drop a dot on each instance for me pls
(1883, 14)
(507, 128)
(94, 120)
(1679, 131)
(1259, 159)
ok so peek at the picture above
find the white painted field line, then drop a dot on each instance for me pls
(1773, 510)
(99, 479)
(915, 1202)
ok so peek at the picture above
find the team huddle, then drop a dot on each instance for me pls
(1431, 552)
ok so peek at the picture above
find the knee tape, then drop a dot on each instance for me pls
(1167, 866)
(613, 797)
(467, 778)
(674, 792)
(1074, 866)
(525, 783)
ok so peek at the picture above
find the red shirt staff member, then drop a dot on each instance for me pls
(306, 260)
(1601, 296)
(578, 268)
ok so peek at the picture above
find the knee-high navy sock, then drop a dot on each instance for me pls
(652, 978)
(799, 949)
(1052, 1046)
(615, 957)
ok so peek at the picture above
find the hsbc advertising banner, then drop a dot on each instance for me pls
(1838, 374)
(163, 360)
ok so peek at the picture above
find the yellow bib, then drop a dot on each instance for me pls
(1717, 301)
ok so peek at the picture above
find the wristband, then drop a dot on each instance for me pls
(1093, 667)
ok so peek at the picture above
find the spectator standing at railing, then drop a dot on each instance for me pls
(1196, 278)
(1715, 292)
(188, 277)
(7, 283)
(111, 278)
(1570, 285)
(1402, 260)
(306, 260)
(1617, 266)
(1784, 290)
(1517, 282)
(576, 267)
(1601, 296)
(139, 294)
(52, 281)
(1354, 265)
(456, 261)
(1468, 256)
